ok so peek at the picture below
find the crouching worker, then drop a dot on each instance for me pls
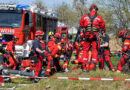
(11, 53)
(125, 50)
(38, 52)
(82, 56)
(104, 53)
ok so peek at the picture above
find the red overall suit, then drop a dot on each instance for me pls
(49, 64)
(56, 55)
(12, 57)
(126, 54)
(82, 57)
(104, 54)
(92, 23)
(39, 58)
(38, 55)
(51, 45)
(56, 52)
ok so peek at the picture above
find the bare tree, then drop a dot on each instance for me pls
(120, 13)
(80, 6)
(39, 4)
(67, 15)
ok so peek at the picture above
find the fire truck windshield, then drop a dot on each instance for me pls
(9, 19)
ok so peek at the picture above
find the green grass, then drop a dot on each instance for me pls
(55, 84)
(115, 60)
(16, 82)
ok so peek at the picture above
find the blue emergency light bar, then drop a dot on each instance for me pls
(22, 6)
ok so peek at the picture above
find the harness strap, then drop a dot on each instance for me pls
(91, 19)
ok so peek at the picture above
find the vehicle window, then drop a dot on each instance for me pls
(10, 19)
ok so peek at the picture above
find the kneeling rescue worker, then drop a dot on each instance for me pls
(82, 56)
(125, 50)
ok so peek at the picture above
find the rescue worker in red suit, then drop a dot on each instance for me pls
(104, 53)
(51, 45)
(52, 41)
(38, 52)
(82, 57)
(64, 53)
(11, 50)
(56, 52)
(90, 25)
(125, 50)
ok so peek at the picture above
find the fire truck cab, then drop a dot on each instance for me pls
(22, 21)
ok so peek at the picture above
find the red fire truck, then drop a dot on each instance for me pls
(22, 21)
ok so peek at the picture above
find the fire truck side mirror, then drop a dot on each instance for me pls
(30, 25)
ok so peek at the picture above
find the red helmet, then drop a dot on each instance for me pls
(57, 35)
(93, 6)
(122, 33)
(62, 41)
(39, 32)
